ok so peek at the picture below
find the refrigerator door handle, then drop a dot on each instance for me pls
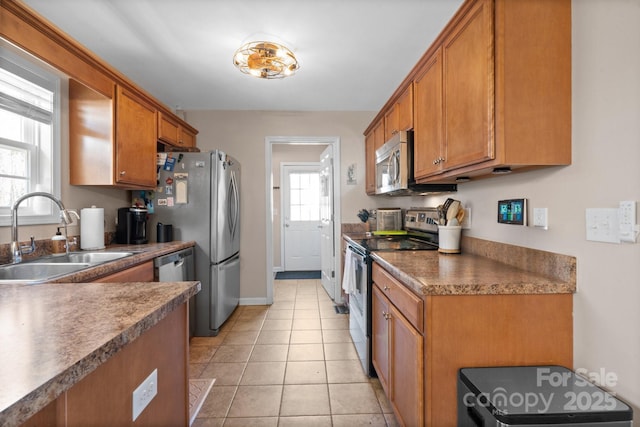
(235, 206)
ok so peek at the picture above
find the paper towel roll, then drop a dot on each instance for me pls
(92, 228)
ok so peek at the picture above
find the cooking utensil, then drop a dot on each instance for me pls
(447, 204)
(441, 214)
(460, 216)
(453, 209)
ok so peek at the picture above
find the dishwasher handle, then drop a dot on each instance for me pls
(176, 258)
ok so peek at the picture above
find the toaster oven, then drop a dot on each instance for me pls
(388, 219)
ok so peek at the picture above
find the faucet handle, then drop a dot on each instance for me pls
(66, 216)
(28, 249)
(72, 242)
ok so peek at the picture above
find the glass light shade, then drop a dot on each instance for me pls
(266, 60)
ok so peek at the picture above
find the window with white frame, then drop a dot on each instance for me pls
(29, 138)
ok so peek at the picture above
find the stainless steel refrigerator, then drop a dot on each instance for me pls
(199, 195)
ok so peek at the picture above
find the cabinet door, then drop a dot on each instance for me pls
(380, 338)
(139, 273)
(428, 143)
(168, 129)
(136, 128)
(391, 122)
(187, 139)
(378, 136)
(370, 160)
(407, 380)
(405, 109)
(469, 88)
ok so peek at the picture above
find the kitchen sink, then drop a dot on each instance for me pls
(50, 267)
(35, 272)
(92, 258)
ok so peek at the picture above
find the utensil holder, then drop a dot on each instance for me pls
(449, 239)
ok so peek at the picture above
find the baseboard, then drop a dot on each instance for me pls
(253, 301)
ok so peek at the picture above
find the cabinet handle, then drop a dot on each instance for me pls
(122, 173)
(386, 288)
(386, 315)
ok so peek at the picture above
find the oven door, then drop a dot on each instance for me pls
(357, 269)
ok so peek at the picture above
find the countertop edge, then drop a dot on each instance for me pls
(553, 287)
(530, 283)
(37, 399)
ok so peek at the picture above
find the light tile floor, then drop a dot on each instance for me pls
(289, 364)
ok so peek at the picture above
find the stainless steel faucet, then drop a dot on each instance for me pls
(16, 249)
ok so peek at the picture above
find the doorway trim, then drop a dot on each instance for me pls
(270, 141)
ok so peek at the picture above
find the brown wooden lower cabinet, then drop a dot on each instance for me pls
(417, 359)
(139, 273)
(104, 397)
(397, 357)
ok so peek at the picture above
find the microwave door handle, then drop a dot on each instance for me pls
(390, 166)
(396, 169)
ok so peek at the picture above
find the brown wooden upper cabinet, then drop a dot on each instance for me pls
(400, 116)
(113, 124)
(373, 140)
(506, 91)
(172, 132)
(370, 163)
(493, 92)
(112, 139)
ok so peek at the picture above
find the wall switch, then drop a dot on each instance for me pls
(144, 394)
(628, 227)
(540, 218)
(603, 226)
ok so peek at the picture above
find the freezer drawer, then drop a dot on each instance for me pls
(535, 396)
(225, 291)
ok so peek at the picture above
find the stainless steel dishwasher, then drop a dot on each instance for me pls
(178, 267)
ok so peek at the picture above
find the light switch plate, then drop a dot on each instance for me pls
(602, 225)
(541, 218)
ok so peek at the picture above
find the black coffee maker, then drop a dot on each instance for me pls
(132, 226)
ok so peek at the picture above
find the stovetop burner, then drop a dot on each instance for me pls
(396, 243)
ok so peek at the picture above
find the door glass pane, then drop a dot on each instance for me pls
(304, 196)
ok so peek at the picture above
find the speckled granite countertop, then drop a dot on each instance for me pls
(433, 273)
(54, 334)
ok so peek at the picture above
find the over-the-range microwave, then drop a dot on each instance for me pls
(394, 169)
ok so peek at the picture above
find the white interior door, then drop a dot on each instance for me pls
(327, 247)
(301, 216)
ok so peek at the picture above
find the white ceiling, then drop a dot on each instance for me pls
(353, 53)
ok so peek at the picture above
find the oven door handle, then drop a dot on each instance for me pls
(356, 254)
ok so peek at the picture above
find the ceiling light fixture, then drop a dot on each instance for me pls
(266, 60)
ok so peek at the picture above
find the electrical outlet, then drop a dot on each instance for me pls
(541, 218)
(144, 394)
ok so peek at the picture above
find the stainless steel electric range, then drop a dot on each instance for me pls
(421, 229)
